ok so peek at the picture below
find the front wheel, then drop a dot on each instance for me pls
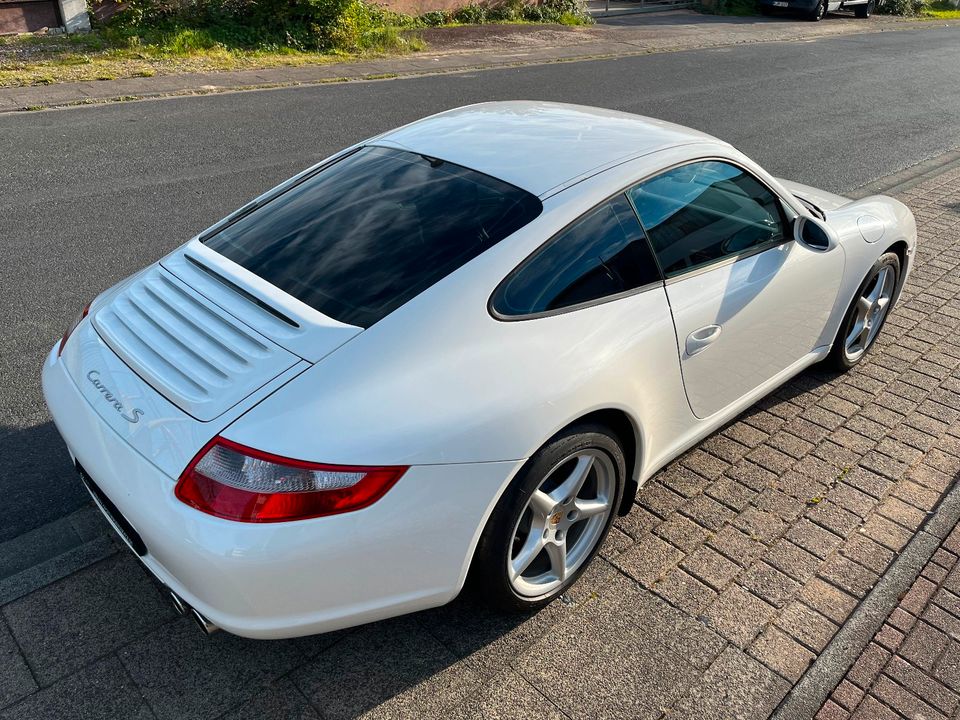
(867, 313)
(819, 12)
(864, 11)
(551, 520)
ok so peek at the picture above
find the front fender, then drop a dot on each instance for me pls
(867, 229)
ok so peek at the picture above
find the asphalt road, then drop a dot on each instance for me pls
(88, 195)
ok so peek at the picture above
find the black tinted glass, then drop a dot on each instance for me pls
(699, 213)
(371, 231)
(601, 254)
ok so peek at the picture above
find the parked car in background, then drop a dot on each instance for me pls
(816, 10)
(457, 347)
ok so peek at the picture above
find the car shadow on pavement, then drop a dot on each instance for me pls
(37, 481)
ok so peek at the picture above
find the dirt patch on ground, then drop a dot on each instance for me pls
(475, 37)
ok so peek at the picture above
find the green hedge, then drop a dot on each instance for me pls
(350, 25)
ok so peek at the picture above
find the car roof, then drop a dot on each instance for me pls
(538, 146)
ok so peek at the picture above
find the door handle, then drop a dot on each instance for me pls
(699, 340)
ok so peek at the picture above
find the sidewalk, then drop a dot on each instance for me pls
(469, 48)
(738, 565)
(912, 666)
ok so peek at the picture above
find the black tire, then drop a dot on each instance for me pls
(864, 11)
(489, 575)
(839, 359)
(819, 12)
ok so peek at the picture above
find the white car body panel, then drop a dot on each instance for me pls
(441, 384)
(750, 307)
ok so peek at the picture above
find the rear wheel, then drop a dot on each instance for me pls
(551, 520)
(819, 12)
(866, 313)
(864, 11)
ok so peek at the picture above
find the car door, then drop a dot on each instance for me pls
(747, 301)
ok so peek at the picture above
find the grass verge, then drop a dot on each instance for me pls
(942, 11)
(143, 43)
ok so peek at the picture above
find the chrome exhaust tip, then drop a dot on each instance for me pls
(179, 605)
(208, 627)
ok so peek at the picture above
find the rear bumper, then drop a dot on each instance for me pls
(407, 552)
(798, 5)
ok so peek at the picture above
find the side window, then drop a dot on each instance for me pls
(601, 254)
(699, 213)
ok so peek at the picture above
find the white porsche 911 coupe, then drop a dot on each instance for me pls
(458, 347)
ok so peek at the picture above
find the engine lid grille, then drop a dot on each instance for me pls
(200, 358)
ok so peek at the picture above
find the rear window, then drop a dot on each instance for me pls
(369, 232)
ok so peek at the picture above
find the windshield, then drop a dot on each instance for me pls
(366, 234)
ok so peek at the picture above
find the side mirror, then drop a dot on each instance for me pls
(814, 234)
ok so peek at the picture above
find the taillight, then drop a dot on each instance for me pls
(73, 326)
(236, 482)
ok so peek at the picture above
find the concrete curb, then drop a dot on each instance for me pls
(814, 687)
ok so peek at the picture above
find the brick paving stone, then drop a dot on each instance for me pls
(508, 695)
(685, 592)
(768, 583)
(760, 525)
(903, 701)
(889, 638)
(831, 711)
(886, 532)
(901, 513)
(867, 667)
(731, 493)
(752, 475)
(792, 560)
(707, 512)
(834, 518)
(16, 680)
(739, 615)
(277, 700)
(781, 653)
(782, 505)
(807, 626)
(64, 626)
(390, 669)
(711, 567)
(902, 620)
(682, 532)
(872, 555)
(736, 546)
(917, 597)
(848, 575)
(922, 685)
(649, 559)
(705, 464)
(812, 537)
(853, 500)
(829, 600)
(847, 695)
(869, 482)
(164, 664)
(735, 686)
(683, 481)
(101, 691)
(660, 500)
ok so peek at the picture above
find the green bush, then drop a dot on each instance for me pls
(901, 7)
(182, 27)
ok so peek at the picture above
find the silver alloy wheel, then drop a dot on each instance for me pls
(562, 522)
(870, 311)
